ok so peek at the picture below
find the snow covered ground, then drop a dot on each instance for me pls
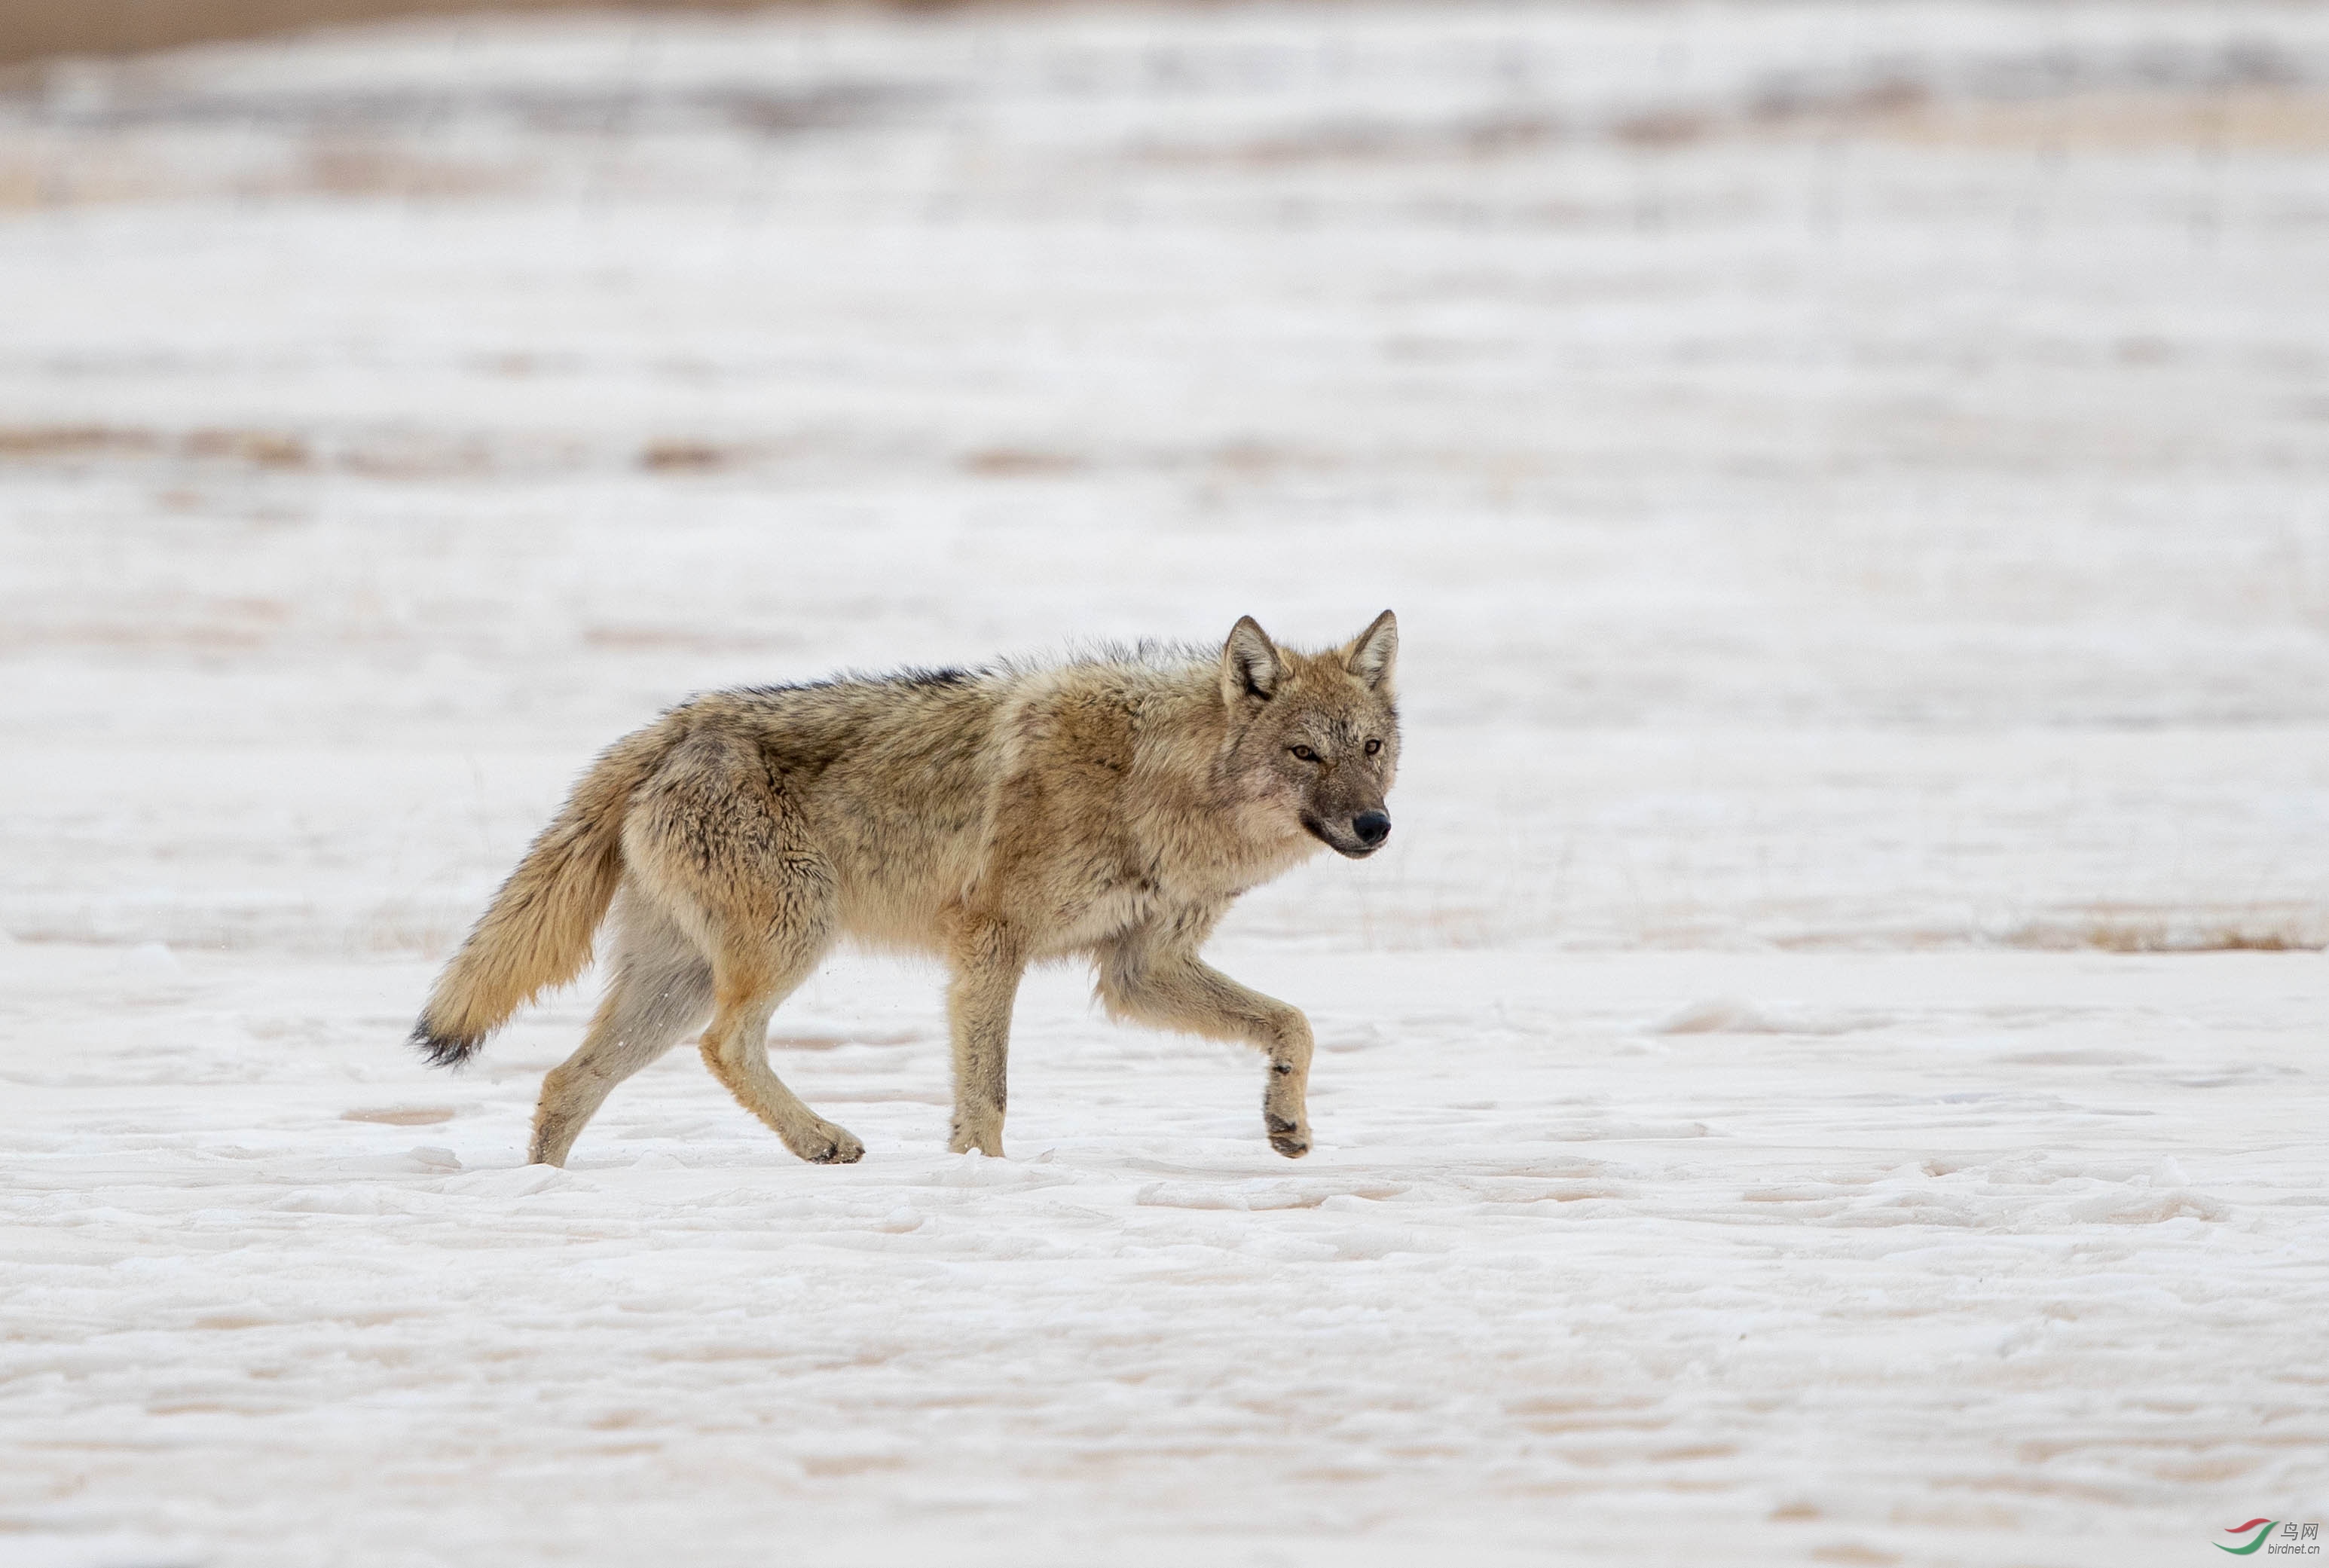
(1829, 1069)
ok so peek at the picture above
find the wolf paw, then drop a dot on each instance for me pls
(826, 1143)
(980, 1129)
(1290, 1139)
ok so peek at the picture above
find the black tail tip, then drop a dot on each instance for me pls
(443, 1050)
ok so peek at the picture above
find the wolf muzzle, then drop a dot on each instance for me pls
(1360, 837)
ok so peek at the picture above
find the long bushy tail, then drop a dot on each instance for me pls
(537, 932)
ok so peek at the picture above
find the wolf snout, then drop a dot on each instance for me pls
(1371, 828)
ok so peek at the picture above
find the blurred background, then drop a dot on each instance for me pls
(1850, 475)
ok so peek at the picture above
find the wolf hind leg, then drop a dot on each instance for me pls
(766, 938)
(660, 988)
(748, 984)
(716, 840)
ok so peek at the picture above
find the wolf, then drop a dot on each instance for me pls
(1109, 807)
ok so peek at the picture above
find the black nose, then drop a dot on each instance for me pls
(1372, 826)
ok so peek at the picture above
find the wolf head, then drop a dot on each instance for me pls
(1315, 734)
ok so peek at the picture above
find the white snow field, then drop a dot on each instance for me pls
(1829, 1071)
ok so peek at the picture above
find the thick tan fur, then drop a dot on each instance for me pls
(538, 931)
(1111, 808)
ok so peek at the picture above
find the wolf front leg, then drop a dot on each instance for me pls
(1174, 990)
(987, 960)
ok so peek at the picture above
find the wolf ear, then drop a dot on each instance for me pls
(1251, 664)
(1371, 655)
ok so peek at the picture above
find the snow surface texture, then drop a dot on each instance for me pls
(1828, 1070)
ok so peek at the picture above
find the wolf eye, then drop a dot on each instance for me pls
(1306, 754)
(1372, 747)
